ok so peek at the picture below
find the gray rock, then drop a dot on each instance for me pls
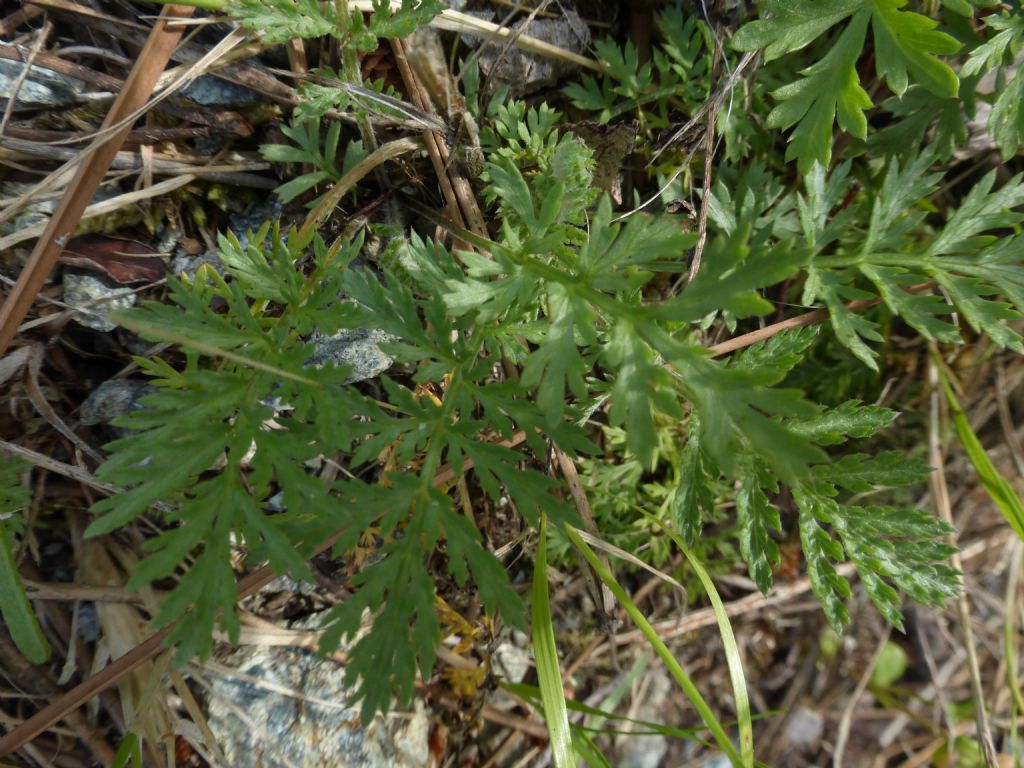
(286, 708)
(42, 88)
(647, 751)
(513, 658)
(185, 264)
(526, 72)
(95, 298)
(804, 728)
(210, 91)
(113, 398)
(38, 211)
(358, 348)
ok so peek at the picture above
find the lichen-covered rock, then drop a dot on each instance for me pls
(282, 707)
(358, 348)
(95, 298)
(113, 398)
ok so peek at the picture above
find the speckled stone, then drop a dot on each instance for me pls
(358, 348)
(82, 289)
(42, 88)
(524, 72)
(113, 398)
(209, 90)
(288, 708)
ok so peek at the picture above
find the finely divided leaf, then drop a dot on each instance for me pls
(851, 419)
(757, 518)
(388, 21)
(1007, 119)
(905, 548)
(907, 41)
(277, 21)
(850, 327)
(829, 89)
(821, 551)
(639, 388)
(980, 211)
(789, 25)
(693, 498)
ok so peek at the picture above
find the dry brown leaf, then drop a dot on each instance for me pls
(123, 261)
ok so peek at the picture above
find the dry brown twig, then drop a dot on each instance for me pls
(137, 90)
(12, 98)
(709, 156)
(940, 493)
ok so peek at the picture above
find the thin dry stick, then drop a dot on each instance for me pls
(151, 62)
(454, 21)
(169, 82)
(434, 145)
(847, 719)
(16, 19)
(99, 209)
(41, 684)
(59, 468)
(940, 492)
(63, 66)
(808, 318)
(602, 596)
(449, 174)
(333, 196)
(715, 100)
(12, 96)
(750, 604)
(709, 156)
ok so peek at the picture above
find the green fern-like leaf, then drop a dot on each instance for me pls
(278, 21)
(757, 518)
(15, 609)
(1006, 120)
(906, 44)
(830, 89)
(971, 266)
(901, 548)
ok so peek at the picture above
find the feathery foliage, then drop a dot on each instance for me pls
(569, 294)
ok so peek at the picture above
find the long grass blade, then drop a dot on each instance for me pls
(673, 666)
(997, 486)
(15, 608)
(549, 674)
(732, 651)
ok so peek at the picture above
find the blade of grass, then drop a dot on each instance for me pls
(676, 670)
(589, 750)
(732, 651)
(622, 687)
(940, 493)
(549, 675)
(531, 694)
(129, 753)
(1010, 627)
(15, 608)
(997, 486)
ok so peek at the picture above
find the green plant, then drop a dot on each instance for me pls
(308, 148)
(907, 45)
(676, 76)
(15, 609)
(1006, 120)
(569, 296)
